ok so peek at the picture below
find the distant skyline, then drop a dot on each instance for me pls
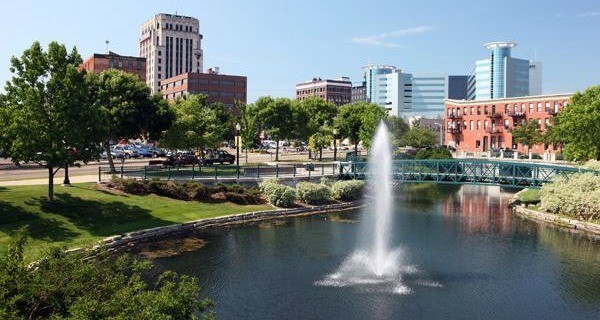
(277, 44)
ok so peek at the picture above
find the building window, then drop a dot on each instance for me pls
(531, 107)
(472, 125)
(539, 107)
(111, 63)
(485, 124)
(485, 110)
(159, 75)
(478, 110)
(478, 124)
(159, 52)
(477, 143)
(472, 108)
(506, 123)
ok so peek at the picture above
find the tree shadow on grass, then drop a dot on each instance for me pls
(13, 218)
(101, 218)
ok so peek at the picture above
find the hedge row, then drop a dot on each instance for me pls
(190, 190)
(281, 195)
(577, 195)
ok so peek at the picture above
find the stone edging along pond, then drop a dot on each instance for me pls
(560, 221)
(115, 243)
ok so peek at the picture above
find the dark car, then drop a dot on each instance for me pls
(218, 156)
(181, 160)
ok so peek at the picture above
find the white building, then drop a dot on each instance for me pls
(171, 45)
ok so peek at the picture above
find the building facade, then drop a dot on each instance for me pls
(482, 125)
(337, 91)
(359, 93)
(502, 76)
(100, 62)
(171, 45)
(226, 89)
(411, 94)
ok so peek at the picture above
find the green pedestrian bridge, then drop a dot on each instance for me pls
(468, 171)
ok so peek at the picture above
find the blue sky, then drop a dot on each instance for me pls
(277, 43)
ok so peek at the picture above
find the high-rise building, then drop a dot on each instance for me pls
(502, 76)
(411, 95)
(226, 89)
(171, 45)
(100, 62)
(338, 91)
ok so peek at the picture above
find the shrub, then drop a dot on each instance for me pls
(347, 190)
(326, 181)
(266, 185)
(313, 193)
(134, 186)
(592, 165)
(434, 153)
(577, 195)
(280, 195)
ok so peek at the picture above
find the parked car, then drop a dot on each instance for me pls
(144, 152)
(124, 151)
(218, 156)
(158, 152)
(181, 160)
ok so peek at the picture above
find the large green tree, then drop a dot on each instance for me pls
(46, 114)
(358, 122)
(418, 137)
(249, 126)
(528, 134)
(578, 126)
(278, 120)
(130, 111)
(314, 118)
(67, 285)
(398, 128)
(197, 125)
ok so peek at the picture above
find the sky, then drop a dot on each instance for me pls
(278, 43)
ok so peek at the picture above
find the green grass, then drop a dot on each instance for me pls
(530, 196)
(83, 215)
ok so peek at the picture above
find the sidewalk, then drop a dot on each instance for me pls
(57, 180)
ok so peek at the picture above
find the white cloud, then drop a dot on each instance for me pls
(383, 38)
(588, 14)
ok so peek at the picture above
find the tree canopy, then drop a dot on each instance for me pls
(46, 115)
(277, 116)
(528, 134)
(418, 137)
(197, 124)
(358, 122)
(578, 126)
(66, 285)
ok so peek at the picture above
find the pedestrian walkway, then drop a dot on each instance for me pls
(41, 181)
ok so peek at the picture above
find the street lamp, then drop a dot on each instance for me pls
(335, 132)
(237, 145)
(441, 132)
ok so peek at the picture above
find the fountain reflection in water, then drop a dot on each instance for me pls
(375, 266)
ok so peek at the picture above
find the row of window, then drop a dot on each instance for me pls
(119, 64)
(213, 94)
(324, 89)
(516, 108)
(476, 125)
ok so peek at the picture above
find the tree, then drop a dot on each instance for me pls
(358, 121)
(320, 140)
(528, 134)
(398, 128)
(250, 126)
(196, 125)
(418, 137)
(130, 111)
(278, 120)
(578, 126)
(46, 115)
(311, 116)
(67, 285)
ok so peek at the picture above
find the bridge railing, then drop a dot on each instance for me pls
(507, 173)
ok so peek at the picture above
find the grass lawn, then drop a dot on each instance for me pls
(83, 214)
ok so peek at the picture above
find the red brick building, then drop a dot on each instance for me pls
(338, 91)
(222, 88)
(477, 126)
(100, 62)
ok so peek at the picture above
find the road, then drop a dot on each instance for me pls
(31, 174)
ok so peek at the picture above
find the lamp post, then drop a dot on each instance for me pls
(441, 132)
(334, 144)
(237, 144)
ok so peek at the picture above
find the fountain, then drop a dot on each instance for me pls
(375, 265)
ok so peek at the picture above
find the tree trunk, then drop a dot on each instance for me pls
(309, 154)
(356, 149)
(277, 152)
(109, 156)
(320, 154)
(50, 184)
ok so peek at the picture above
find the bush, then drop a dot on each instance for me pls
(280, 195)
(577, 195)
(592, 165)
(134, 186)
(347, 190)
(434, 153)
(266, 185)
(312, 193)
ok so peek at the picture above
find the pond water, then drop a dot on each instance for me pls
(464, 256)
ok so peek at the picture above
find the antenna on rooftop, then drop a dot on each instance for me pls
(107, 42)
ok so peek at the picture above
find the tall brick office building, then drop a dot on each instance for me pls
(100, 62)
(338, 91)
(477, 126)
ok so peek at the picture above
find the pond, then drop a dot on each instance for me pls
(466, 255)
